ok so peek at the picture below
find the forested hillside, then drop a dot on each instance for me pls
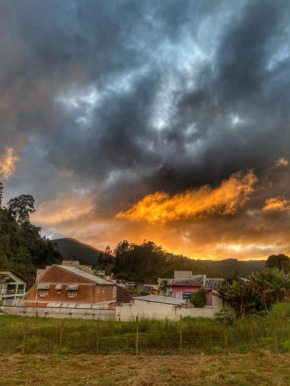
(22, 248)
(72, 249)
(147, 262)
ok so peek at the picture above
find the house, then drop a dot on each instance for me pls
(12, 288)
(63, 285)
(183, 288)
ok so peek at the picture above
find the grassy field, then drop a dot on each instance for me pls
(261, 368)
(197, 335)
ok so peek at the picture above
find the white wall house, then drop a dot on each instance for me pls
(162, 307)
(12, 289)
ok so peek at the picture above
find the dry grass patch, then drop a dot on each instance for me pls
(261, 369)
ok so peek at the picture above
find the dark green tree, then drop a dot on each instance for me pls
(281, 262)
(198, 299)
(22, 248)
(21, 207)
(1, 194)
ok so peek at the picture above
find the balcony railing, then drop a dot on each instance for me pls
(10, 292)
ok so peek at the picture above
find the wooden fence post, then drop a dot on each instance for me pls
(98, 336)
(226, 334)
(137, 335)
(61, 334)
(24, 337)
(180, 335)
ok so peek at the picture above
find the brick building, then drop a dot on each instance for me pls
(68, 286)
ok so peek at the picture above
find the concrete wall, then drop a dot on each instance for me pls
(51, 312)
(152, 310)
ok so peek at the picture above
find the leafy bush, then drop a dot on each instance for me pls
(225, 316)
(281, 311)
(260, 292)
(198, 299)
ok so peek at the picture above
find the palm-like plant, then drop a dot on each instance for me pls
(272, 285)
(240, 296)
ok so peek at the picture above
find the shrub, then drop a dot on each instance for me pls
(280, 311)
(198, 299)
(225, 316)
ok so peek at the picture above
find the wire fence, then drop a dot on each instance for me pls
(187, 336)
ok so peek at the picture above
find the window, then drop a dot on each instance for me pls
(114, 291)
(72, 293)
(43, 289)
(11, 289)
(186, 295)
(58, 289)
(103, 288)
(20, 289)
(43, 293)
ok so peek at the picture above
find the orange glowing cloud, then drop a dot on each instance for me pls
(279, 204)
(8, 163)
(66, 208)
(282, 162)
(160, 208)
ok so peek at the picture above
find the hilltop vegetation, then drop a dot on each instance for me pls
(22, 248)
(72, 249)
(147, 262)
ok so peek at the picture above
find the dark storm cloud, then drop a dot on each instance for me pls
(126, 98)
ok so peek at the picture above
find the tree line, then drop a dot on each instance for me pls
(22, 248)
(146, 262)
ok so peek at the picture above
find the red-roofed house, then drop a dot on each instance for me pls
(67, 285)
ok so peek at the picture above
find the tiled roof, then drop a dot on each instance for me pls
(86, 275)
(213, 284)
(5, 278)
(161, 299)
(197, 280)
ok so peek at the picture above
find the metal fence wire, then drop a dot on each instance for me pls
(76, 336)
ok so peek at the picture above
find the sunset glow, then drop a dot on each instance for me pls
(8, 163)
(223, 200)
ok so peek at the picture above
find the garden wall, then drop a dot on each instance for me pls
(153, 310)
(53, 312)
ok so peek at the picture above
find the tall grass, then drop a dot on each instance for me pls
(199, 335)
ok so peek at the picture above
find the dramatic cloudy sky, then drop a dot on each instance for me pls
(165, 120)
